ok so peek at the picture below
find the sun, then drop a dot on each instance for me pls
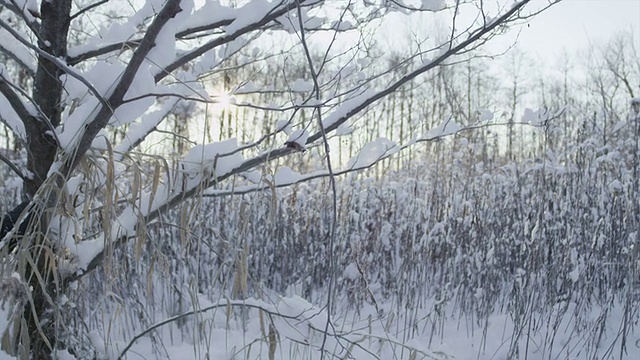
(223, 101)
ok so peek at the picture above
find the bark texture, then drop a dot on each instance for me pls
(47, 92)
(40, 313)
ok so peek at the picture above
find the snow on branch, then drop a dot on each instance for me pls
(212, 16)
(202, 165)
(87, 130)
(354, 106)
(251, 17)
(448, 127)
(210, 164)
(13, 110)
(17, 52)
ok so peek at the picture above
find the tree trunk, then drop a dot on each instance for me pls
(47, 92)
(40, 315)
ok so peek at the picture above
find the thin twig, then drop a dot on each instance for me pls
(13, 167)
(199, 311)
(332, 180)
(92, 6)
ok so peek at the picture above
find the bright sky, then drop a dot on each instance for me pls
(572, 24)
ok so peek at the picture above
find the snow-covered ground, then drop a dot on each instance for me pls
(292, 328)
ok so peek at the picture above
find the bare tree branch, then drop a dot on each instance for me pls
(170, 9)
(13, 167)
(226, 303)
(432, 64)
(185, 33)
(32, 24)
(31, 71)
(66, 69)
(179, 196)
(88, 8)
(275, 13)
(14, 100)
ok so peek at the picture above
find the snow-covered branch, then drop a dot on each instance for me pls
(12, 101)
(216, 162)
(248, 18)
(95, 125)
(363, 100)
(212, 16)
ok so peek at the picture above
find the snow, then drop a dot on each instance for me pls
(301, 85)
(448, 127)
(347, 107)
(63, 355)
(201, 164)
(348, 70)
(284, 126)
(142, 85)
(138, 131)
(373, 152)
(254, 176)
(342, 25)
(615, 186)
(250, 13)
(285, 176)
(104, 77)
(98, 342)
(359, 332)
(291, 23)
(11, 45)
(299, 137)
(29, 8)
(541, 116)
(534, 117)
(215, 158)
(232, 47)
(619, 126)
(210, 13)
(116, 32)
(7, 114)
(351, 272)
(485, 115)
(575, 274)
(247, 88)
(161, 55)
(4, 325)
(298, 325)
(433, 5)
(4, 355)
(164, 51)
(344, 129)
(101, 141)
(84, 105)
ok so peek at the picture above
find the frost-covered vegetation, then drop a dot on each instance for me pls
(448, 256)
(532, 258)
(225, 181)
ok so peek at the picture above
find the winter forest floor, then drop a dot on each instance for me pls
(452, 259)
